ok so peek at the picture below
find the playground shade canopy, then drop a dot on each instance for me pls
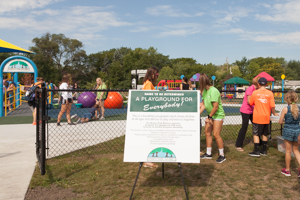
(6, 47)
(266, 75)
(236, 80)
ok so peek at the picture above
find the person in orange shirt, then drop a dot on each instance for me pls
(263, 100)
(149, 82)
(150, 79)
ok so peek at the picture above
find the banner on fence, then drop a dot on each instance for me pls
(163, 126)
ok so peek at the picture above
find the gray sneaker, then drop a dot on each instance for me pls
(206, 156)
(220, 159)
(78, 121)
(255, 154)
(73, 116)
(102, 118)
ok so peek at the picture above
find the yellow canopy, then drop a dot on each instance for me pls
(6, 47)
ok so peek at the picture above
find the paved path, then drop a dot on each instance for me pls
(23, 110)
(17, 160)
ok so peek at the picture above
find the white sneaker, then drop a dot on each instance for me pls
(98, 116)
(102, 118)
(73, 116)
(78, 121)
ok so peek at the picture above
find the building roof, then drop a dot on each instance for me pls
(6, 47)
(236, 80)
(266, 75)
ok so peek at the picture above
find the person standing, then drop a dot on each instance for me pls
(101, 97)
(66, 100)
(33, 103)
(291, 131)
(76, 93)
(148, 84)
(247, 114)
(184, 85)
(264, 104)
(214, 121)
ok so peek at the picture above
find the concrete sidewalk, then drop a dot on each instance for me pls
(17, 160)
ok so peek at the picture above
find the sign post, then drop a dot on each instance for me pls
(213, 78)
(282, 87)
(163, 126)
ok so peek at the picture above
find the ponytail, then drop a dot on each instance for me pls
(295, 111)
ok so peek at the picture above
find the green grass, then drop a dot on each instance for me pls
(106, 176)
(98, 172)
(16, 120)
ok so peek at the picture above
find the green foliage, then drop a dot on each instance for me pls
(56, 54)
(274, 69)
(166, 73)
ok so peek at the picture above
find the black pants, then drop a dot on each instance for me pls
(243, 131)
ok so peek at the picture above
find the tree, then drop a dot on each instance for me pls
(274, 69)
(166, 73)
(292, 70)
(242, 65)
(253, 69)
(57, 49)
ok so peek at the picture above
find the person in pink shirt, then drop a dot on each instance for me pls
(247, 114)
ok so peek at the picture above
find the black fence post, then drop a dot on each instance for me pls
(43, 131)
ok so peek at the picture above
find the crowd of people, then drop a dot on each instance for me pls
(257, 107)
(66, 99)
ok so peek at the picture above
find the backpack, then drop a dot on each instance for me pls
(30, 93)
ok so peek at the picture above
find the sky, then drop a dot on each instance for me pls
(207, 31)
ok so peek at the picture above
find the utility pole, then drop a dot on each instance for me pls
(227, 61)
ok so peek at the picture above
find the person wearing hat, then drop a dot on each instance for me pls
(263, 100)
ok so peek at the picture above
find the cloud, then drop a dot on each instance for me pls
(292, 38)
(142, 29)
(166, 10)
(14, 5)
(233, 15)
(234, 31)
(288, 12)
(181, 29)
(47, 12)
(76, 21)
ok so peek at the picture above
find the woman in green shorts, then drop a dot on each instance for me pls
(214, 121)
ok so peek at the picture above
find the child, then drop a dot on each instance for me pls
(291, 130)
(87, 116)
(263, 100)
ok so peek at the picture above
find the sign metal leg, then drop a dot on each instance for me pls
(163, 170)
(141, 164)
(179, 165)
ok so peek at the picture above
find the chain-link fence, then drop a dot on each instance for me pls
(92, 121)
(82, 122)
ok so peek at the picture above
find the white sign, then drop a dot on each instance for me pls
(163, 126)
(18, 65)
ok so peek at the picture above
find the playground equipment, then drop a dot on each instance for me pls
(14, 100)
(114, 100)
(15, 65)
(169, 84)
(87, 99)
(235, 81)
(269, 78)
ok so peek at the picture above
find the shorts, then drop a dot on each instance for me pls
(64, 101)
(290, 133)
(260, 129)
(217, 119)
(87, 115)
(100, 100)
